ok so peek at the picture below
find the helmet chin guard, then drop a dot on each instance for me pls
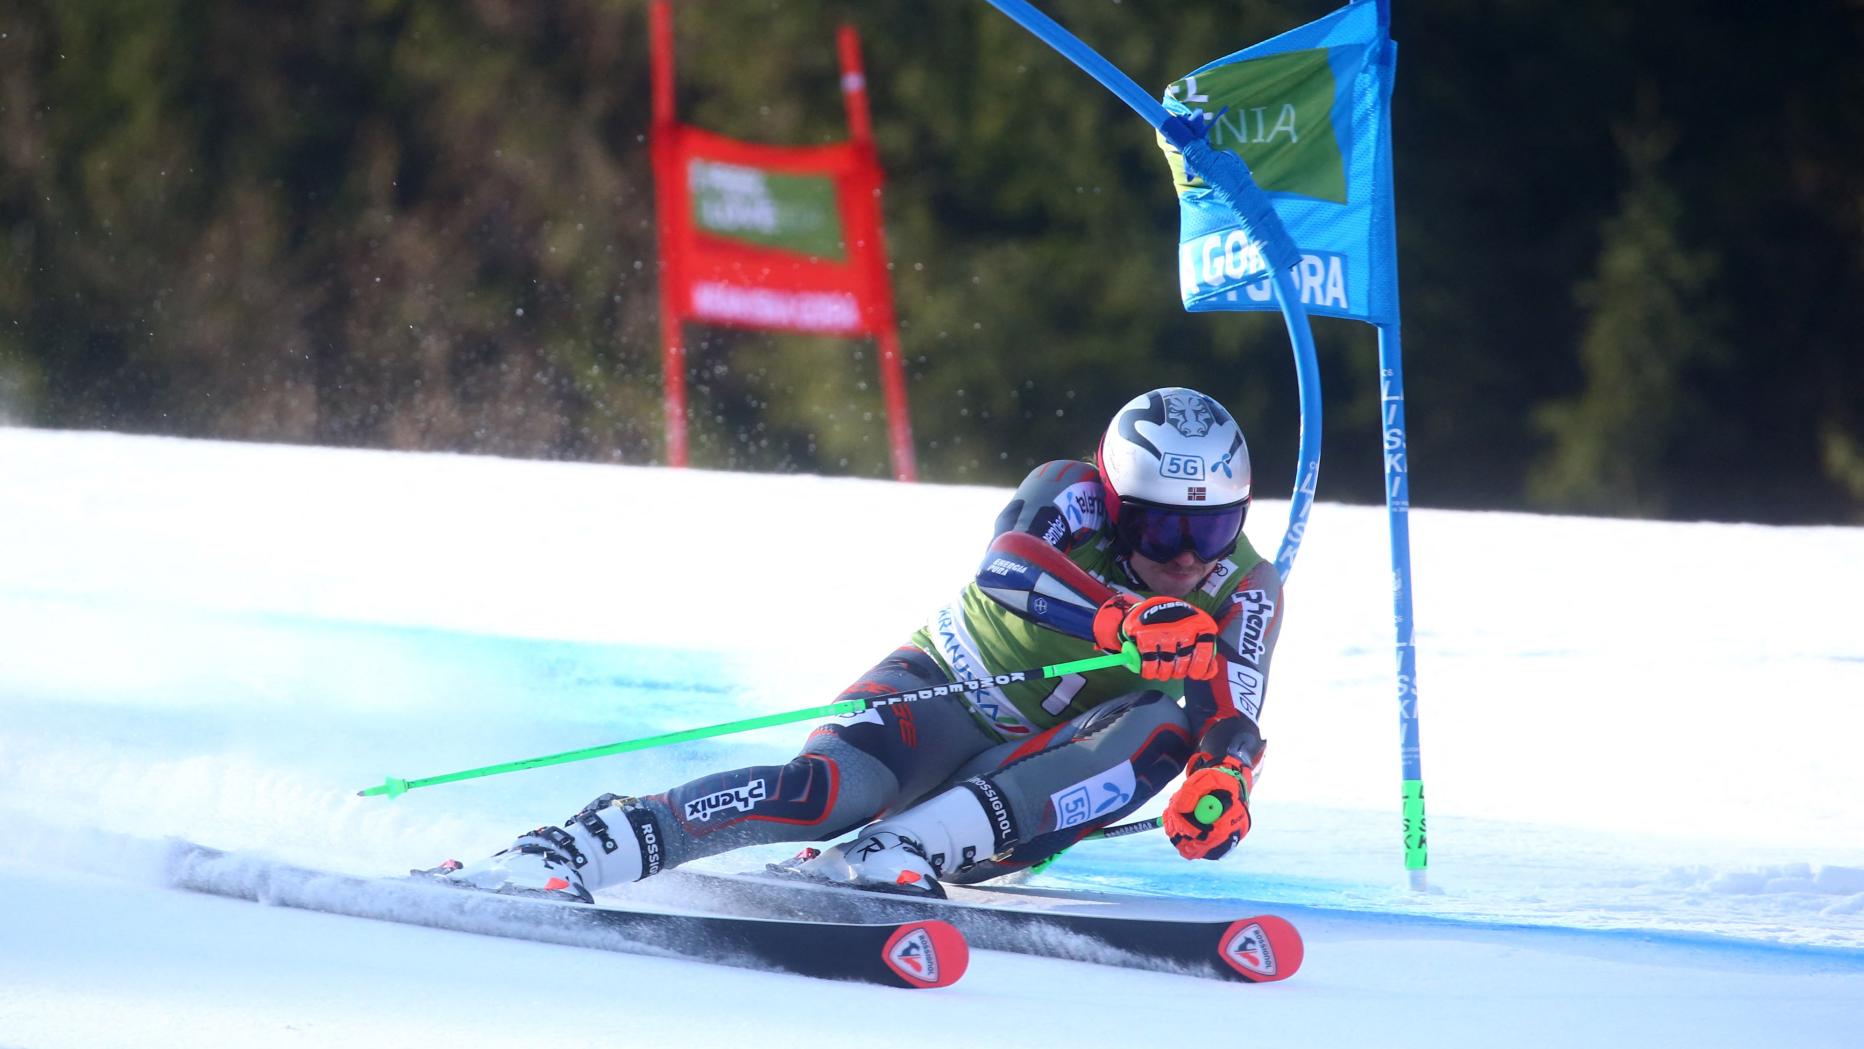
(1174, 448)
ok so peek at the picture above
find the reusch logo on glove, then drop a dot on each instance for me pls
(1166, 612)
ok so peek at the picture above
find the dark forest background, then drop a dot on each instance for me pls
(1631, 239)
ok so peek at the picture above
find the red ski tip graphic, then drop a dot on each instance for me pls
(927, 954)
(1262, 950)
(556, 885)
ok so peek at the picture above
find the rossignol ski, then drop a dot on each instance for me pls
(1254, 949)
(912, 953)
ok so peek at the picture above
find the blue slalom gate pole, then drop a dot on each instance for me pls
(1229, 178)
(1398, 523)
(1398, 516)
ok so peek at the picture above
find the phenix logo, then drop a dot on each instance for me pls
(736, 798)
(1257, 610)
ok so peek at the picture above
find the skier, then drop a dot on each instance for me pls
(1145, 545)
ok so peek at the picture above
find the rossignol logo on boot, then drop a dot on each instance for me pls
(1249, 951)
(737, 799)
(647, 832)
(997, 809)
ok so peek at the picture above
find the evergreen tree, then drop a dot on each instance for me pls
(421, 224)
(1651, 325)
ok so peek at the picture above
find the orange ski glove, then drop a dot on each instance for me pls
(1209, 813)
(1175, 639)
(1107, 620)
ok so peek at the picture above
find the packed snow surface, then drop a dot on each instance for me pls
(1640, 746)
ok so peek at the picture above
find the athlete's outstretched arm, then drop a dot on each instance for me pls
(1209, 812)
(1226, 710)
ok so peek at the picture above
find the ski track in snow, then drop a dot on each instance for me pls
(230, 760)
(1639, 778)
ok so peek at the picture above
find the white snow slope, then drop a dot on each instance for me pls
(1641, 752)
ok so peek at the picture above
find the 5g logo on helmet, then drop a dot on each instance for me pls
(1182, 467)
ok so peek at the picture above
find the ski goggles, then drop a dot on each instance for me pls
(1160, 533)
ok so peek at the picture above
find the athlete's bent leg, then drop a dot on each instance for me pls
(851, 770)
(1018, 803)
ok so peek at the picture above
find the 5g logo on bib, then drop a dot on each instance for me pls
(1093, 797)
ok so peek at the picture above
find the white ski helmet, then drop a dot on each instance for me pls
(1177, 458)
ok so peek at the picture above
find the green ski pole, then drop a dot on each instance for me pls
(1127, 657)
(1207, 810)
(1121, 831)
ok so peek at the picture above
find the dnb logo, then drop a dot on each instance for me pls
(927, 954)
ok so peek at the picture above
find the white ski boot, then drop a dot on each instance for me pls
(529, 868)
(908, 853)
(612, 840)
(881, 859)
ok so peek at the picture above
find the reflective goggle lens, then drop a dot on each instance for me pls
(1159, 534)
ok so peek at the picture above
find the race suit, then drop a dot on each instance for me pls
(1051, 759)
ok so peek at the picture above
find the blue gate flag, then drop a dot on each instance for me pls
(1309, 112)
